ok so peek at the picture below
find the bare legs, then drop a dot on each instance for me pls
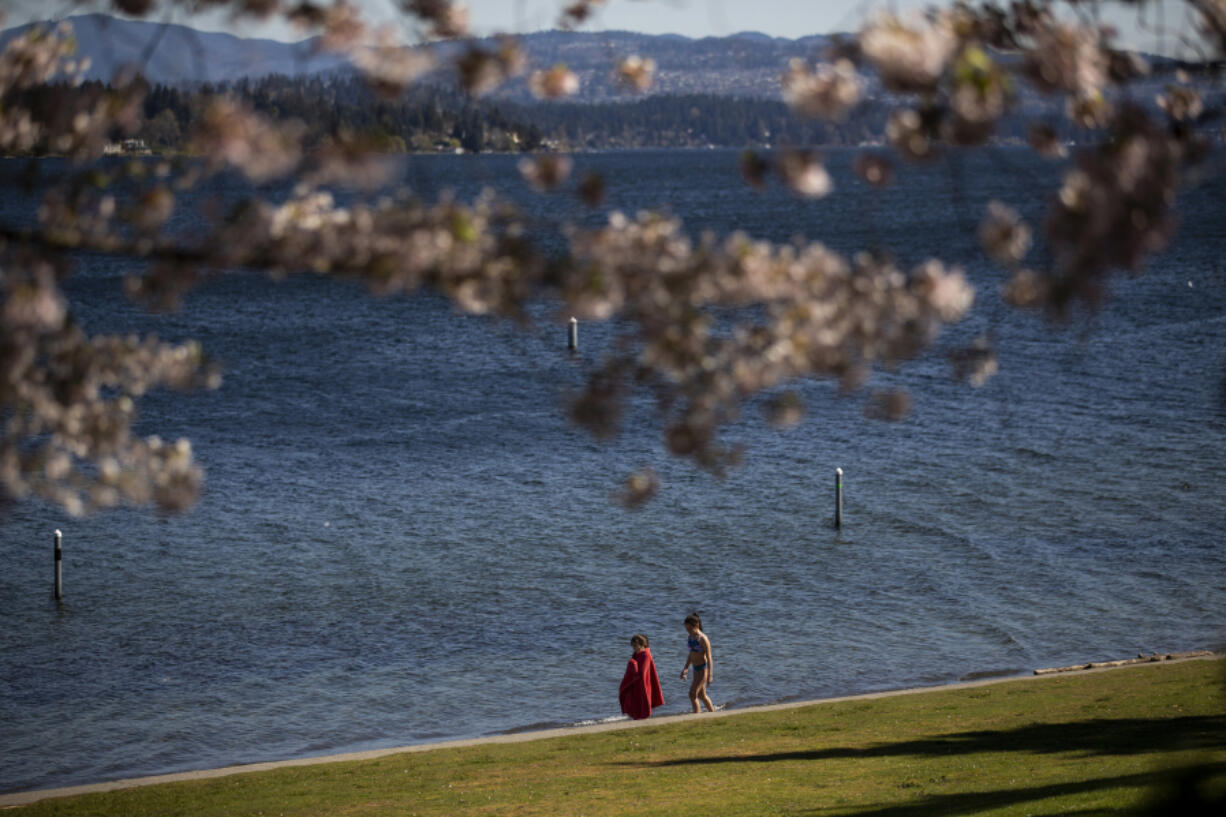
(698, 691)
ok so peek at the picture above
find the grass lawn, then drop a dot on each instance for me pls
(1102, 743)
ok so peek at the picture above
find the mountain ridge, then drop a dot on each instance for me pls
(170, 54)
(744, 64)
(740, 64)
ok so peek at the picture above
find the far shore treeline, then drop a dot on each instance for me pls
(435, 118)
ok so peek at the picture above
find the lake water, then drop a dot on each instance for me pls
(402, 540)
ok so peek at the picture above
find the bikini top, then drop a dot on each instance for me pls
(695, 644)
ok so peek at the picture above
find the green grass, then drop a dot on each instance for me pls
(1114, 742)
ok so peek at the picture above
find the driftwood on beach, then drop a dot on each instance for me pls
(1140, 659)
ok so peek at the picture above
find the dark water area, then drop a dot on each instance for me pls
(402, 539)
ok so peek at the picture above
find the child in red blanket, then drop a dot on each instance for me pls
(640, 689)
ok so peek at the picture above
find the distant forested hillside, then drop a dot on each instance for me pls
(433, 118)
(713, 91)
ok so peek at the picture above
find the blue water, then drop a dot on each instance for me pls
(402, 540)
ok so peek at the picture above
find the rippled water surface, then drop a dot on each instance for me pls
(402, 539)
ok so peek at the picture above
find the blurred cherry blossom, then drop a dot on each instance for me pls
(803, 171)
(709, 324)
(556, 82)
(445, 19)
(546, 172)
(829, 91)
(910, 56)
(1005, 237)
(637, 73)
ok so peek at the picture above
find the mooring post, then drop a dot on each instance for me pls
(59, 561)
(838, 498)
(572, 335)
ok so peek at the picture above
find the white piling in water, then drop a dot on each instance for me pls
(838, 498)
(59, 561)
(572, 335)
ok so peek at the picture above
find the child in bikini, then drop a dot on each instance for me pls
(700, 659)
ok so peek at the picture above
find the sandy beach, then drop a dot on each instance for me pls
(1139, 664)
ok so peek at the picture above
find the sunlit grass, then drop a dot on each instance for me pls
(1099, 743)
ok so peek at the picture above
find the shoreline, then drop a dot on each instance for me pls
(15, 799)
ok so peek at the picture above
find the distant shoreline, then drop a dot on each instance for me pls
(15, 799)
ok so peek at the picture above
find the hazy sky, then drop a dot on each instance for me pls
(694, 18)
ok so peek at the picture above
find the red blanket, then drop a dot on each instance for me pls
(640, 689)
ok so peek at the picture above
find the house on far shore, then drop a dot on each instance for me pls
(128, 147)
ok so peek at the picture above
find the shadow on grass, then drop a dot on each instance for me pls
(1126, 736)
(1177, 793)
